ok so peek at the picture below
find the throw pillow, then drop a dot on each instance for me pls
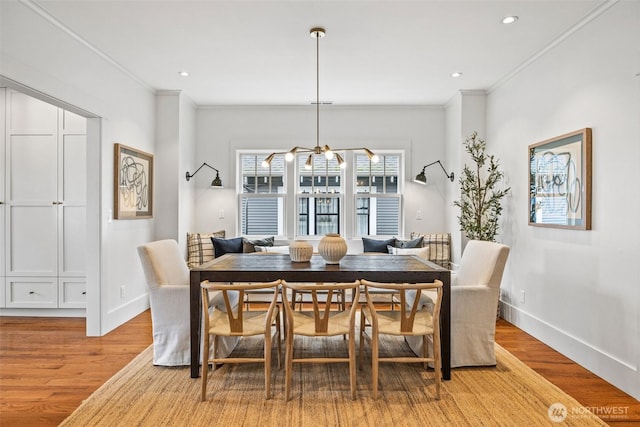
(200, 247)
(421, 252)
(273, 249)
(227, 246)
(439, 247)
(373, 245)
(415, 243)
(250, 245)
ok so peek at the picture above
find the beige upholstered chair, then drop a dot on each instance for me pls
(475, 292)
(238, 322)
(168, 282)
(412, 320)
(321, 322)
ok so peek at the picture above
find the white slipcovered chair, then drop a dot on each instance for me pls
(168, 281)
(475, 292)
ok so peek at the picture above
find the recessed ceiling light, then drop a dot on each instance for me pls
(184, 73)
(509, 19)
(456, 74)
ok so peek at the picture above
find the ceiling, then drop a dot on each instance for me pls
(374, 52)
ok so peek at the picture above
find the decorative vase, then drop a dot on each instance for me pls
(300, 251)
(332, 248)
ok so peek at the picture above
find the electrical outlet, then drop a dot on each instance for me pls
(522, 294)
(122, 291)
(221, 213)
(419, 215)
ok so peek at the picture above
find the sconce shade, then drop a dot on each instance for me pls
(421, 178)
(217, 182)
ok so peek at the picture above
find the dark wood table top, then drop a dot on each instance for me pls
(376, 267)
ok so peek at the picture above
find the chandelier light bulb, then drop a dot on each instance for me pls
(267, 162)
(291, 154)
(328, 154)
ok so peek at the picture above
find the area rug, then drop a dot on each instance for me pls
(509, 394)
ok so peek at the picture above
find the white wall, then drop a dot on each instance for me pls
(175, 151)
(36, 53)
(418, 130)
(582, 287)
(465, 113)
(186, 162)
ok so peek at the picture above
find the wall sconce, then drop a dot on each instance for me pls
(216, 183)
(422, 179)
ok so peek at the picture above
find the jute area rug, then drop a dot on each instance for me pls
(509, 394)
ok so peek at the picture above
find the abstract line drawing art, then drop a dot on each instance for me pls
(133, 183)
(560, 181)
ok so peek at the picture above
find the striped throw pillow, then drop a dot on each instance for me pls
(200, 247)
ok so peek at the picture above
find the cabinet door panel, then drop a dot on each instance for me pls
(33, 169)
(3, 169)
(73, 123)
(72, 293)
(29, 115)
(3, 298)
(32, 241)
(30, 292)
(73, 242)
(73, 188)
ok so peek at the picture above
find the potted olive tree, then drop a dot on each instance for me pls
(480, 199)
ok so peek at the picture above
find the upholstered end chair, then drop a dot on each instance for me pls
(475, 292)
(167, 278)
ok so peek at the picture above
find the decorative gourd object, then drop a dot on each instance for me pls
(332, 248)
(300, 251)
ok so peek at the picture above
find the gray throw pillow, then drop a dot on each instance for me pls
(373, 245)
(226, 246)
(415, 243)
(250, 245)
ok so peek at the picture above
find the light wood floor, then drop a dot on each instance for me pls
(48, 366)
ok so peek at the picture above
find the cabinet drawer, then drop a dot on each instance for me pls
(72, 293)
(31, 292)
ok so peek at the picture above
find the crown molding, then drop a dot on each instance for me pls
(47, 16)
(590, 16)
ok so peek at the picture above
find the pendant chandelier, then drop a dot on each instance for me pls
(325, 150)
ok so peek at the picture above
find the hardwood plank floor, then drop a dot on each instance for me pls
(48, 366)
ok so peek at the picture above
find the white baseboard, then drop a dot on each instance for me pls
(622, 375)
(124, 313)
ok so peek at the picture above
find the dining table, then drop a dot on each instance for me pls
(252, 267)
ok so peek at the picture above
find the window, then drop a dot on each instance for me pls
(292, 200)
(320, 190)
(377, 196)
(261, 196)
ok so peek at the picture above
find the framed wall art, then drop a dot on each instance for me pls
(133, 183)
(560, 181)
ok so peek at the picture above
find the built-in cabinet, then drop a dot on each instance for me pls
(44, 205)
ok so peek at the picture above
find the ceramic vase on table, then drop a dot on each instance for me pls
(300, 251)
(332, 248)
